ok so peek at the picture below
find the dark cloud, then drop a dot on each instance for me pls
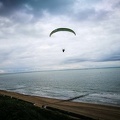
(37, 6)
(8, 6)
(74, 60)
(92, 14)
(117, 5)
(85, 14)
(111, 57)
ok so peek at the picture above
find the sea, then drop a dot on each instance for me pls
(99, 86)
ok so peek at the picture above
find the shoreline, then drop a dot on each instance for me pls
(67, 99)
(96, 111)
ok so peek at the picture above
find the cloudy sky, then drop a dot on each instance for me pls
(25, 26)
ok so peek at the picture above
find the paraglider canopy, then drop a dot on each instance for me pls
(62, 29)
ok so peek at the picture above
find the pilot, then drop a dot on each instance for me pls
(63, 50)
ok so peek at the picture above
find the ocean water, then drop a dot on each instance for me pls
(100, 86)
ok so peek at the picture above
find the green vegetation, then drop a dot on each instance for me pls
(14, 109)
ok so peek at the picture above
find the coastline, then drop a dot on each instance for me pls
(96, 111)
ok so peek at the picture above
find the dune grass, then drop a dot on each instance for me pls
(14, 109)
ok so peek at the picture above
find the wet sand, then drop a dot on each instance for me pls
(96, 111)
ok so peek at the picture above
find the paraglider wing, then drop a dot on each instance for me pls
(62, 29)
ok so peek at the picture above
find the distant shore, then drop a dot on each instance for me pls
(101, 112)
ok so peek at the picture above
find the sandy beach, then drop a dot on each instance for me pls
(98, 112)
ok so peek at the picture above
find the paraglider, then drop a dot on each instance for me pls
(63, 50)
(62, 29)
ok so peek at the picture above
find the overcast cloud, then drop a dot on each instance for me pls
(25, 26)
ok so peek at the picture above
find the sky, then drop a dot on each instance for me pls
(25, 26)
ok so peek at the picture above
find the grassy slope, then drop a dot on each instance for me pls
(13, 109)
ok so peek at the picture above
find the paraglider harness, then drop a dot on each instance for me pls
(63, 50)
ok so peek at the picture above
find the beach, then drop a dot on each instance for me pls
(95, 111)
